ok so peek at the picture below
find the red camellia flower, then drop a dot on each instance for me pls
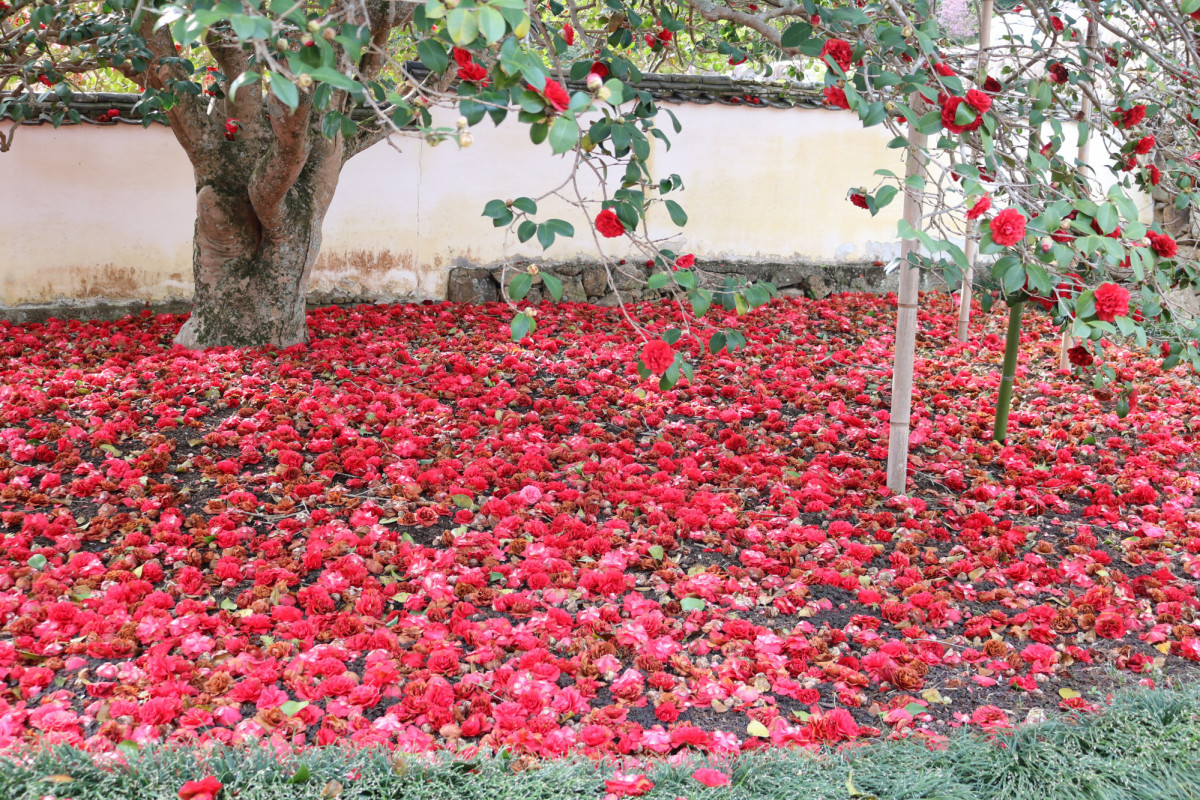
(950, 109)
(1079, 356)
(859, 199)
(658, 356)
(1164, 245)
(944, 70)
(711, 778)
(980, 101)
(232, 127)
(568, 34)
(665, 35)
(203, 789)
(1154, 176)
(1058, 73)
(609, 225)
(838, 51)
(1110, 625)
(1112, 301)
(992, 85)
(555, 95)
(1008, 227)
(1130, 117)
(1144, 145)
(685, 261)
(980, 208)
(599, 68)
(836, 97)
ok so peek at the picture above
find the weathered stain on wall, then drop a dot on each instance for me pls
(107, 214)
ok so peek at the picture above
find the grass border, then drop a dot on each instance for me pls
(1145, 746)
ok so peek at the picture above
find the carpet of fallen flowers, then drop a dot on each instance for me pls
(414, 532)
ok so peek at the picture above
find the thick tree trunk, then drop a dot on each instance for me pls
(251, 275)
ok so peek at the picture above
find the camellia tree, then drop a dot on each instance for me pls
(269, 99)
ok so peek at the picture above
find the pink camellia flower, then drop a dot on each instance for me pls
(623, 785)
(204, 789)
(711, 778)
(530, 495)
(990, 718)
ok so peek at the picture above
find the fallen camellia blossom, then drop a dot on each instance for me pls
(412, 532)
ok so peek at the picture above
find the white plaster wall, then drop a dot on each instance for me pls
(104, 214)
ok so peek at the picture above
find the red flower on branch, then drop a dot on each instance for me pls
(609, 224)
(980, 208)
(658, 356)
(1008, 227)
(839, 52)
(1112, 301)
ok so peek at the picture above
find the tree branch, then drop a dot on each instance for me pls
(233, 60)
(189, 123)
(281, 166)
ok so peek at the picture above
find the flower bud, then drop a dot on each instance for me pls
(534, 269)
(306, 39)
(462, 123)
(465, 139)
(841, 83)
(304, 81)
(314, 26)
(432, 139)
(281, 43)
(594, 82)
(1064, 225)
(531, 312)
(450, 3)
(890, 107)
(907, 31)
(604, 93)
(1047, 244)
(329, 34)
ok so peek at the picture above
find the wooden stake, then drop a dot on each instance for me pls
(1064, 360)
(964, 300)
(906, 320)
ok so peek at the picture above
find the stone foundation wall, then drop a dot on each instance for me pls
(589, 282)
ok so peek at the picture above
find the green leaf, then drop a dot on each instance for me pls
(564, 133)
(553, 286)
(37, 561)
(677, 214)
(526, 230)
(545, 235)
(525, 204)
(462, 27)
(716, 343)
(795, 35)
(884, 196)
(658, 280)
(433, 55)
(521, 325)
(692, 604)
(293, 707)
(285, 90)
(245, 79)
(462, 501)
(656, 552)
(1106, 218)
(302, 774)
(520, 286)
(491, 24)
(758, 730)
